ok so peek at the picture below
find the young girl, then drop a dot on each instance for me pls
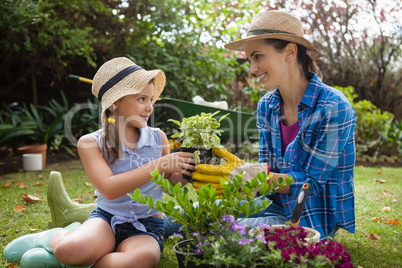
(118, 159)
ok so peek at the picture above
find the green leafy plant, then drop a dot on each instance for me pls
(392, 136)
(47, 125)
(211, 207)
(13, 127)
(371, 122)
(86, 120)
(201, 213)
(199, 131)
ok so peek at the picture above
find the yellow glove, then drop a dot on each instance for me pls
(205, 173)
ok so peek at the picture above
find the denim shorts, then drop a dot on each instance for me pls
(153, 225)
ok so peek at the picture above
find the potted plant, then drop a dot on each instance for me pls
(205, 220)
(13, 127)
(40, 134)
(199, 134)
(269, 246)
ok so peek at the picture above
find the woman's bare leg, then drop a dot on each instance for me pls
(136, 251)
(85, 245)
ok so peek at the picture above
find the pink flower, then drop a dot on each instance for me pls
(286, 256)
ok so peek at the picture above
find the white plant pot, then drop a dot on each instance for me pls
(313, 237)
(32, 162)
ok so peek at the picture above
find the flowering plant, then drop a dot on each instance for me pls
(267, 246)
(199, 210)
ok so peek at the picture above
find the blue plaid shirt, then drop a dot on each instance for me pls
(322, 154)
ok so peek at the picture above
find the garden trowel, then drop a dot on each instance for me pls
(298, 209)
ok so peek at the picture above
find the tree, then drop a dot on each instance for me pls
(362, 43)
(180, 38)
(361, 40)
(39, 39)
(361, 49)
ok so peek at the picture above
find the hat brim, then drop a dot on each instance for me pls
(311, 50)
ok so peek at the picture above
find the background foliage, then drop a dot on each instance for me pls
(41, 42)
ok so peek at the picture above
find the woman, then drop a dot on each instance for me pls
(306, 128)
(118, 159)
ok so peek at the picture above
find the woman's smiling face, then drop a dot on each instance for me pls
(267, 63)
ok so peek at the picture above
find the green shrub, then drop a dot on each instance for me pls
(13, 127)
(392, 136)
(372, 124)
(27, 124)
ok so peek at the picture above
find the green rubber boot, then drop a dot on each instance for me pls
(40, 258)
(16, 248)
(63, 210)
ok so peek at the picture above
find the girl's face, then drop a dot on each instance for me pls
(266, 63)
(136, 109)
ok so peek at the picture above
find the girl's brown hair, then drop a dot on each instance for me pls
(110, 141)
(111, 144)
(307, 64)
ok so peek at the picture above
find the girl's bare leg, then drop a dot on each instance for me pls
(136, 251)
(85, 245)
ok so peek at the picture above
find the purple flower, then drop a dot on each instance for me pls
(196, 234)
(176, 235)
(261, 238)
(245, 241)
(229, 218)
(199, 244)
(241, 229)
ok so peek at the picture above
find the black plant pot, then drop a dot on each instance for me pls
(185, 248)
(206, 157)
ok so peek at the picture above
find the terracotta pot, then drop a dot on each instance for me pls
(35, 149)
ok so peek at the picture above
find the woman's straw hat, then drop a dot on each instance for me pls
(276, 24)
(120, 77)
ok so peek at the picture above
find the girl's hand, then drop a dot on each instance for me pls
(177, 163)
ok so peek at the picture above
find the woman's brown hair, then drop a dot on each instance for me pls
(306, 62)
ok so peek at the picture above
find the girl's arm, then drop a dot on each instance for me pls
(114, 186)
(173, 177)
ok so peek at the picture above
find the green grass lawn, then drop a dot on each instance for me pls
(371, 198)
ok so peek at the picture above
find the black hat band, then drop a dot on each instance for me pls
(117, 78)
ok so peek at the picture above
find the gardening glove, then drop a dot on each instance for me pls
(205, 173)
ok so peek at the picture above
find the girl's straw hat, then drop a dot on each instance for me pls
(276, 24)
(120, 77)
